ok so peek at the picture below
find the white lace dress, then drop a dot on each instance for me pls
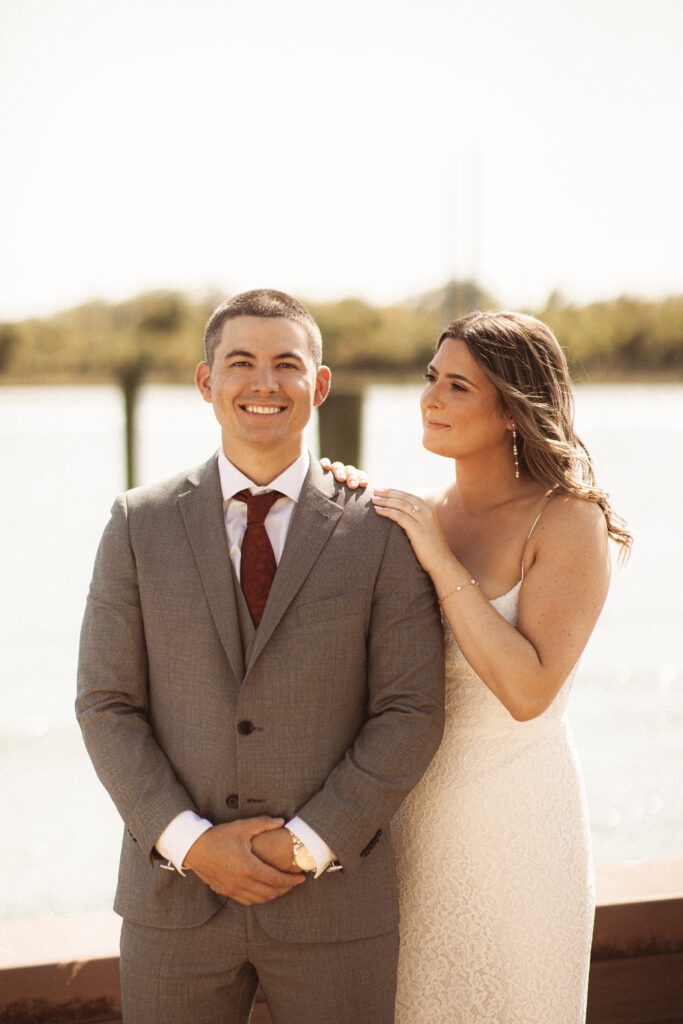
(494, 865)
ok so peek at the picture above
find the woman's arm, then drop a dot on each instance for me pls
(564, 589)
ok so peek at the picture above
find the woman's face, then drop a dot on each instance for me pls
(462, 412)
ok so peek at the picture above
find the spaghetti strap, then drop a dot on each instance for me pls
(544, 506)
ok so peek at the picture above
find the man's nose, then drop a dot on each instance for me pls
(264, 379)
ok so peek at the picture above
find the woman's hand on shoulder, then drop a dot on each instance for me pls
(349, 475)
(419, 519)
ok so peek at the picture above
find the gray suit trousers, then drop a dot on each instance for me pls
(209, 975)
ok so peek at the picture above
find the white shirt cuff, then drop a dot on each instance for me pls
(179, 836)
(317, 847)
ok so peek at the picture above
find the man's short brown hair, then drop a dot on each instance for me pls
(263, 302)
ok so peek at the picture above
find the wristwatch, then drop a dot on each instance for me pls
(301, 855)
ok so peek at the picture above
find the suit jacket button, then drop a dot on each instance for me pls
(232, 800)
(245, 727)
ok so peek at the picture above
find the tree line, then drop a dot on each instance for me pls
(157, 336)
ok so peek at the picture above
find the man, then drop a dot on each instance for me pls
(257, 732)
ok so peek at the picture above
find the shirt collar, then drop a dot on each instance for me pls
(288, 483)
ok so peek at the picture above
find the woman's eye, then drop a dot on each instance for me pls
(429, 376)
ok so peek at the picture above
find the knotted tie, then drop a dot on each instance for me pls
(257, 566)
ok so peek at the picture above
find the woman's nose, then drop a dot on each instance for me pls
(430, 396)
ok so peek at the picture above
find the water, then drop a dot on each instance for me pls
(62, 458)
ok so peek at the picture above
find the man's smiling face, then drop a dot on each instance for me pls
(263, 386)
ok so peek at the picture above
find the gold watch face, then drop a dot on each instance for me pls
(303, 858)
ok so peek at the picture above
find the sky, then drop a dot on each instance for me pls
(374, 148)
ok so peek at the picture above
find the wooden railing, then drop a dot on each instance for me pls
(66, 969)
(636, 972)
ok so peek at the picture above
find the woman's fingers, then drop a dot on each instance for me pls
(349, 475)
(338, 469)
(394, 494)
(355, 477)
(401, 501)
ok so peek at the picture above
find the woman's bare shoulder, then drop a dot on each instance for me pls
(574, 521)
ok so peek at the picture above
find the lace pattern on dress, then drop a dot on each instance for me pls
(494, 866)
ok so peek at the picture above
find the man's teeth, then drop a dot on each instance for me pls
(264, 410)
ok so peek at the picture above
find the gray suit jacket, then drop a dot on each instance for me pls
(342, 686)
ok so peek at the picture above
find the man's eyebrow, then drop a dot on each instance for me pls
(289, 355)
(238, 352)
(453, 376)
(245, 354)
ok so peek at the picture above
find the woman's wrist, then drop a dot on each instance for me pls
(457, 590)
(450, 574)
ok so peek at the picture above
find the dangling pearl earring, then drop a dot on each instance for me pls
(514, 452)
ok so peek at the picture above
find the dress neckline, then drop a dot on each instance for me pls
(492, 600)
(519, 582)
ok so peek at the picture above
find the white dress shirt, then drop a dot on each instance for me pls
(178, 836)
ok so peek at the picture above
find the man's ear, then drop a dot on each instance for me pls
(323, 379)
(202, 379)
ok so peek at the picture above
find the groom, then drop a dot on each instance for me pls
(260, 685)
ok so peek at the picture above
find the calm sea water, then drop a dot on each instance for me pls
(62, 462)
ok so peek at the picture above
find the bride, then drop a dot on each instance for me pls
(492, 846)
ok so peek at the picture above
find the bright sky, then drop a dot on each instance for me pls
(367, 147)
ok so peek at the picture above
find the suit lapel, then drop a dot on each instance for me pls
(314, 521)
(201, 507)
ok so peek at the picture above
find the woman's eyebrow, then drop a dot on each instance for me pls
(452, 376)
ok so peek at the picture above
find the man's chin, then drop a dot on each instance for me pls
(264, 440)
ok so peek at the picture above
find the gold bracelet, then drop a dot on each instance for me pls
(470, 583)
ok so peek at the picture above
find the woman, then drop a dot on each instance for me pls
(492, 846)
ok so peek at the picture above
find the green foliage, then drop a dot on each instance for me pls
(624, 337)
(10, 337)
(158, 336)
(364, 338)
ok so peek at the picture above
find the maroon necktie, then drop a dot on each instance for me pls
(257, 565)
